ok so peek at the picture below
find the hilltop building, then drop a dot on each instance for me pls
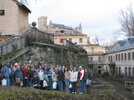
(74, 35)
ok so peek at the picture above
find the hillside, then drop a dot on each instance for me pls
(18, 93)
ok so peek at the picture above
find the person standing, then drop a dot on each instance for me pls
(25, 75)
(41, 75)
(51, 70)
(81, 79)
(87, 78)
(11, 71)
(55, 79)
(18, 76)
(0, 72)
(67, 76)
(60, 79)
(73, 80)
(6, 73)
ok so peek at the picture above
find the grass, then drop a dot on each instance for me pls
(17, 93)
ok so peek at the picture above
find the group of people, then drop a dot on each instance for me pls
(47, 77)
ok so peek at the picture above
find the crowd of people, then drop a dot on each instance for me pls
(47, 77)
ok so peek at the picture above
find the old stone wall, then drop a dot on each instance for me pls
(38, 47)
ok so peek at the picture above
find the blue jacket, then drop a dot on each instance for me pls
(6, 71)
(18, 74)
(50, 74)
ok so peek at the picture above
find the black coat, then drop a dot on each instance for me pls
(35, 80)
(61, 76)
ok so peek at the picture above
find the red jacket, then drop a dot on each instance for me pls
(25, 73)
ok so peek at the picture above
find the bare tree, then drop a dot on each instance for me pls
(97, 40)
(127, 21)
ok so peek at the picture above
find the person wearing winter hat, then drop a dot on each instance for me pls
(81, 79)
(35, 81)
(18, 76)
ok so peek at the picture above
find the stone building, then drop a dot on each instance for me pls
(13, 17)
(57, 28)
(120, 58)
(74, 35)
(118, 61)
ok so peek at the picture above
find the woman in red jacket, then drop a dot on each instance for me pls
(25, 75)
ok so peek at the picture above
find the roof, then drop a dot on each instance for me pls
(61, 26)
(24, 7)
(66, 34)
(123, 45)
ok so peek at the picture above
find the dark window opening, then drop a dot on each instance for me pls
(125, 56)
(129, 56)
(80, 40)
(122, 57)
(116, 57)
(119, 57)
(61, 40)
(62, 31)
(2, 12)
(129, 71)
(133, 55)
(125, 71)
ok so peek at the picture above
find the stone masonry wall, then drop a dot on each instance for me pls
(38, 47)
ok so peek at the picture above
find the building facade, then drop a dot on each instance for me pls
(55, 28)
(118, 61)
(13, 17)
(74, 35)
(122, 56)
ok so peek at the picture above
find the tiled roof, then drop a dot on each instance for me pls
(123, 44)
(25, 8)
(61, 26)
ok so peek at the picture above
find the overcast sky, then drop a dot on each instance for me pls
(98, 17)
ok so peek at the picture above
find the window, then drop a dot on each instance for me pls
(129, 71)
(119, 70)
(108, 58)
(91, 58)
(62, 31)
(133, 71)
(122, 57)
(92, 49)
(99, 59)
(116, 57)
(119, 57)
(80, 40)
(111, 58)
(129, 56)
(2, 12)
(61, 40)
(70, 39)
(125, 71)
(125, 56)
(132, 55)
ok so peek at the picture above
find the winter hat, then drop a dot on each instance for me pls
(30, 61)
(16, 64)
(80, 66)
(18, 67)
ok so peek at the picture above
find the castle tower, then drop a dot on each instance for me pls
(42, 23)
(79, 29)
